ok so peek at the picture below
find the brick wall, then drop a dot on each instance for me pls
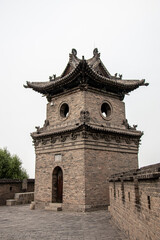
(100, 162)
(9, 187)
(135, 202)
(93, 102)
(88, 156)
(76, 104)
(85, 100)
(72, 165)
(86, 165)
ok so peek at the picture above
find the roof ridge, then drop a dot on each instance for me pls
(93, 69)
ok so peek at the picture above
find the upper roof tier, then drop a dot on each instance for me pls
(81, 72)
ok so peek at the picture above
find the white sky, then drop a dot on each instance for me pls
(36, 37)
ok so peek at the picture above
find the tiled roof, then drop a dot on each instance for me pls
(78, 126)
(91, 72)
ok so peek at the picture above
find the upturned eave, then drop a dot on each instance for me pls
(85, 71)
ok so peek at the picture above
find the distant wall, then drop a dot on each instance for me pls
(135, 202)
(8, 188)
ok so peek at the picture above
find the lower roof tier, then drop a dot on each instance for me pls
(42, 132)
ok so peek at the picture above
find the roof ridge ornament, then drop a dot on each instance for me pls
(92, 72)
(72, 57)
(144, 82)
(74, 51)
(96, 53)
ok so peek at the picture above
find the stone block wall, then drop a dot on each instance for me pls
(85, 100)
(135, 202)
(100, 162)
(96, 179)
(8, 188)
(76, 104)
(86, 164)
(24, 198)
(92, 147)
(72, 164)
(93, 102)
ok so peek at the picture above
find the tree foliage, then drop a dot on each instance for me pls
(11, 166)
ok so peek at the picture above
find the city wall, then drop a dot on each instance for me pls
(8, 188)
(135, 202)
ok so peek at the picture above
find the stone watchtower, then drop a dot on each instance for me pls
(85, 137)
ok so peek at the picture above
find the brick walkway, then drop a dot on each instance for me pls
(21, 223)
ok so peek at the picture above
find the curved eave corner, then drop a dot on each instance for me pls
(136, 84)
(44, 86)
(77, 67)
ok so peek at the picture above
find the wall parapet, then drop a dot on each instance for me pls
(135, 201)
(6, 180)
(8, 188)
(148, 172)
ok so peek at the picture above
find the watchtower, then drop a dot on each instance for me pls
(85, 137)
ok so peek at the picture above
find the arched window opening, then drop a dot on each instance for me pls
(64, 110)
(105, 110)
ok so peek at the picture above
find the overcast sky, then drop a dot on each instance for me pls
(36, 37)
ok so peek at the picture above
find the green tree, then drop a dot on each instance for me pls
(11, 166)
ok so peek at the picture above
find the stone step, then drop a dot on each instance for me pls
(54, 207)
(11, 202)
(55, 204)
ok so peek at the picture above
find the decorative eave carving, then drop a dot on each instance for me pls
(85, 131)
(84, 116)
(85, 124)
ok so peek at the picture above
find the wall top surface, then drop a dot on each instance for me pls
(144, 173)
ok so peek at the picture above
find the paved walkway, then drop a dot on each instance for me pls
(21, 223)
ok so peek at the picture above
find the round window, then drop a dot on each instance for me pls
(64, 110)
(105, 110)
